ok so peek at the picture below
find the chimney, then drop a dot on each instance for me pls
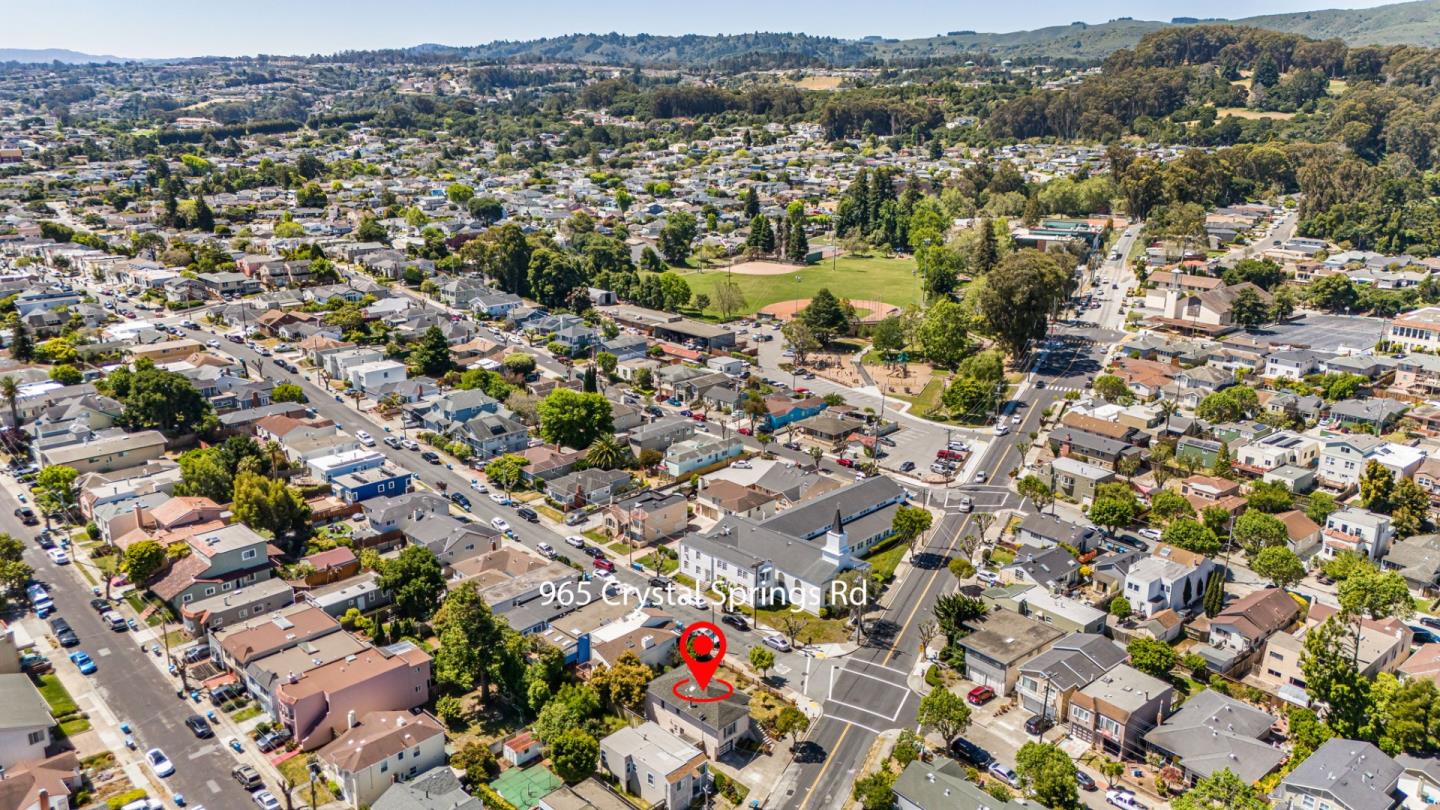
(44, 799)
(350, 719)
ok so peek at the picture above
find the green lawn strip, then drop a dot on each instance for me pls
(619, 547)
(871, 278)
(886, 557)
(74, 725)
(253, 710)
(56, 695)
(815, 631)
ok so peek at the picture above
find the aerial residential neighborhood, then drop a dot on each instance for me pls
(978, 421)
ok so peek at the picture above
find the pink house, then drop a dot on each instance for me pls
(318, 705)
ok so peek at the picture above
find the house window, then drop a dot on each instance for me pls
(247, 554)
(1080, 715)
(649, 778)
(210, 591)
(1108, 727)
(36, 737)
(187, 598)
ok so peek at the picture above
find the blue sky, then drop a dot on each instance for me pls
(158, 28)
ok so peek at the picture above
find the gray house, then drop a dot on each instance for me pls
(1002, 641)
(1342, 775)
(1049, 679)
(1212, 733)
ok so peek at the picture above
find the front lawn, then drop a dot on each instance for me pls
(886, 557)
(667, 563)
(814, 630)
(295, 771)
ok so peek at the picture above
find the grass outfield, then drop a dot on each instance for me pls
(872, 278)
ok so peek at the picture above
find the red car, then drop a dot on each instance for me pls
(980, 695)
(602, 564)
(949, 454)
(698, 417)
(746, 432)
(845, 462)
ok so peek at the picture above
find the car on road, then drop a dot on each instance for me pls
(160, 763)
(1123, 799)
(44, 541)
(115, 620)
(199, 726)
(967, 504)
(1001, 429)
(365, 438)
(777, 643)
(1153, 534)
(66, 637)
(1085, 781)
(213, 343)
(500, 498)
(659, 582)
(603, 565)
(247, 776)
(980, 476)
(980, 695)
(694, 600)
(527, 514)
(1004, 774)
(546, 550)
(478, 487)
(58, 556)
(592, 551)
(459, 499)
(83, 662)
(409, 444)
(27, 516)
(99, 605)
(392, 442)
(1038, 724)
(970, 752)
(431, 456)
(735, 621)
(500, 524)
(845, 462)
(266, 800)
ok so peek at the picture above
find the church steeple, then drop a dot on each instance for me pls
(837, 543)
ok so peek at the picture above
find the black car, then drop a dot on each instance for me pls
(100, 605)
(593, 552)
(59, 623)
(459, 499)
(659, 582)
(1038, 725)
(907, 466)
(27, 516)
(1084, 780)
(970, 752)
(199, 727)
(526, 513)
(1431, 622)
(431, 456)
(737, 622)
(44, 541)
(67, 638)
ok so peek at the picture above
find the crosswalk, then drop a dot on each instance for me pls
(1064, 388)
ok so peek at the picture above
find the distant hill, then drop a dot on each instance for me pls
(47, 55)
(1415, 23)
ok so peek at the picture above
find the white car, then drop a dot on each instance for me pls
(409, 444)
(365, 438)
(693, 600)
(500, 524)
(160, 763)
(742, 464)
(478, 487)
(988, 577)
(777, 643)
(1123, 799)
(500, 498)
(1153, 534)
(213, 343)
(575, 540)
(58, 556)
(1004, 774)
(980, 477)
(1015, 419)
(1001, 429)
(546, 549)
(266, 800)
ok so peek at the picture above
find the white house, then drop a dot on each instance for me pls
(25, 723)
(660, 767)
(380, 748)
(1281, 448)
(1170, 578)
(1359, 531)
(371, 377)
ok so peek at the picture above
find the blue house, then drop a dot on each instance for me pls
(783, 410)
(386, 480)
(328, 468)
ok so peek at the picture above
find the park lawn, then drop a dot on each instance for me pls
(870, 278)
(815, 631)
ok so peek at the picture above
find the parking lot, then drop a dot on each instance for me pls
(1326, 333)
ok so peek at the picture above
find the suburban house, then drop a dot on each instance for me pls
(1048, 680)
(105, 451)
(715, 726)
(374, 376)
(1205, 491)
(1212, 732)
(943, 784)
(645, 518)
(1170, 578)
(224, 609)
(1245, 624)
(700, 451)
(25, 724)
(220, 560)
(1001, 642)
(1281, 448)
(1046, 531)
(1343, 458)
(236, 646)
(1054, 568)
(316, 705)
(658, 766)
(1418, 329)
(1342, 775)
(1358, 531)
(1383, 645)
(44, 785)
(1063, 612)
(587, 487)
(1417, 559)
(721, 498)
(1376, 413)
(1114, 711)
(1076, 479)
(1092, 448)
(373, 482)
(379, 748)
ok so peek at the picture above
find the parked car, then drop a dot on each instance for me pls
(988, 577)
(1085, 781)
(197, 653)
(907, 466)
(500, 524)
(392, 442)
(527, 514)
(409, 444)
(247, 776)
(160, 763)
(967, 504)
(115, 620)
(736, 621)
(575, 540)
(970, 752)
(845, 462)
(365, 438)
(1038, 724)
(546, 550)
(266, 800)
(1123, 799)
(603, 564)
(199, 726)
(1004, 774)
(460, 500)
(27, 516)
(35, 664)
(980, 695)
(58, 556)
(431, 456)
(99, 605)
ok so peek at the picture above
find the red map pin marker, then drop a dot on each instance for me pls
(702, 652)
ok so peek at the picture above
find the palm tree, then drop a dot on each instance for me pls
(604, 453)
(11, 391)
(1168, 407)
(816, 453)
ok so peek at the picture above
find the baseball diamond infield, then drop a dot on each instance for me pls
(869, 311)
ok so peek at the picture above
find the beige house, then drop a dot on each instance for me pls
(321, 703)
(1114, 711)
(104, 454)
(721, 498)
(1384, 646)
(379, 749)
(656, 765)
(646, 518)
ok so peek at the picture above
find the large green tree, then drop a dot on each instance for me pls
(1019, 296)
(270, 505)
(944, 712)
(154, 398)
(1222, 790)
(1047, 775)
(415, 580)
(574, 419)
